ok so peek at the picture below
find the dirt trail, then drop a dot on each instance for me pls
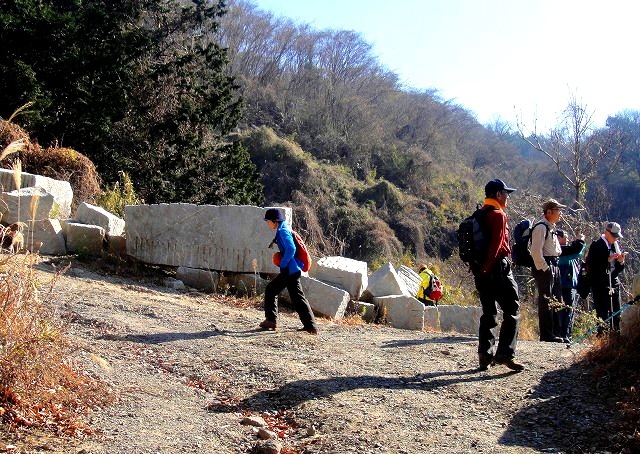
(187, 368)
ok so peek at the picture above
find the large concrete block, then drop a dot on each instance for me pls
(27, 204)
(84, 239)
(95, 215)
(198, 278)
(61, 190)
(630, 317)
(223, 238)
(385, 282)
(460, 319)
(402, 311)
(431, 318)
(410, 279)
(324, 299)
(346, 274)
(45, 237)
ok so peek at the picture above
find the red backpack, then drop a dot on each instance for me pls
(302, 252)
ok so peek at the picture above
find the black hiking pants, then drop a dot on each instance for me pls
(498, 286)
(300, 304)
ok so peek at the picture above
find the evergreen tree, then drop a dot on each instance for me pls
(136, 85)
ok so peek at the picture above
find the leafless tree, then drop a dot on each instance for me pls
(578, 150)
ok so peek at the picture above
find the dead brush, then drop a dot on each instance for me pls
(39, 386)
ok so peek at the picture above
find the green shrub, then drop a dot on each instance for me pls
(115, 198)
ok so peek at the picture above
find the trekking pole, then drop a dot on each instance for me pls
(611, 292)
(588, 333)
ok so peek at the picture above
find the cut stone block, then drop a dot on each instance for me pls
(346, 274)
(116, 245)
(95, 215)
(27, 204)
(84, 239)
(60, 190)
(460, 319)
(45, 237)
(385, 282)
(431, 318)
(198, 278)
(223, 238)
(401, 311)
(410, 279)
(324, 299)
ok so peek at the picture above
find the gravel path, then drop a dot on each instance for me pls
(189, 369)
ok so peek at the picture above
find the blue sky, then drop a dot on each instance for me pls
(498, 58)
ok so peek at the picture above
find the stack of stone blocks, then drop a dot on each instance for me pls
(215, 247)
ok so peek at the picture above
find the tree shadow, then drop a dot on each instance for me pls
(294, 393)
(566, 414)
(395, 343)
(161, 338)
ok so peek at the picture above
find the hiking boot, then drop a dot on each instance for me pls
(555, 339)
(311, 330)
(509, 362)
(484, 361)
(268, 325)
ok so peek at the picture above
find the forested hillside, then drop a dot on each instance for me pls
(326, 91)
(220, 102)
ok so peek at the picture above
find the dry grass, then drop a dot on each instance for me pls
(54, 162)
(39, 386)
(616, 363)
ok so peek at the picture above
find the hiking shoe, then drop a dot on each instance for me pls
(268, 325)
(484, 361)
(311, 330)
(555, 339)
(509, 362)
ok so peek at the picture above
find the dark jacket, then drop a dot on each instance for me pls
(598, 265)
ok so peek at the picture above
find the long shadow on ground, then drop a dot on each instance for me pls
(566, 414)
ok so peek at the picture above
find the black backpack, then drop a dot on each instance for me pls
(472, 240)
(521, 249)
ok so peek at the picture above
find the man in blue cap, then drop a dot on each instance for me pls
(495, 283)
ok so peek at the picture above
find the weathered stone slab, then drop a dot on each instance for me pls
(324, 299)
(95, 215)
(460, 319)
(198, 278)
(385, 282)
(630, 317)
(346, 274)
(116, 245)
(27, 204)
(431, 318)
(401, 311)
(410, 279)
(60, 190)
(45, 237)
(223, 238)
(84, 239)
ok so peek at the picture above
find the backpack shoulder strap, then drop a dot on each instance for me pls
(546, 234)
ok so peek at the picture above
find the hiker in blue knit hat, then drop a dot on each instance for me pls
(289, 277)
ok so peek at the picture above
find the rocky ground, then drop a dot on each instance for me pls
(193, 375)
